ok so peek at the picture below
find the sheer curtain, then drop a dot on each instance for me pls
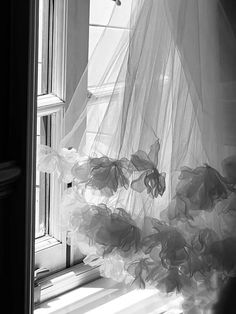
(154, 171)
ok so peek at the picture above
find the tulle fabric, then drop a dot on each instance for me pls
(153, 172)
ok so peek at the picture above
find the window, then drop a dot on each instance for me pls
(68, 34)
(62, 27)
(49, 239)
(110, 25)
(102, 19)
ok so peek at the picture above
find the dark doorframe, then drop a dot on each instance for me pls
(17, 157)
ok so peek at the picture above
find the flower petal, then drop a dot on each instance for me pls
(81, 172)
(153, 153)
(141, 161)
(138, 184)
(47, 159)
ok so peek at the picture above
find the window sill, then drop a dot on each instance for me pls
(107, 296)
(45, 242)
(50, 287)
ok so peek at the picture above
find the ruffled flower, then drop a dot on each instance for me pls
(174, 280)
(166, 257)
(173, 246)
(74, 207)
(104, 174)
(50, 161)
(148, 273)
(199, 262)
(111, 229)
(114, 267)
(198, 189)
(151, 179)
(139, 270)
(213, 254)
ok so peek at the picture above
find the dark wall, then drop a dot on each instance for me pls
(17, 101)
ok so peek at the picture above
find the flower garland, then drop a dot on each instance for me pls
(176, 254)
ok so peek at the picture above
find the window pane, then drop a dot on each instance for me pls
(106, 57)
(101, 11)
(121, 14)
(42, 180)
(94, 36)
(43, 38)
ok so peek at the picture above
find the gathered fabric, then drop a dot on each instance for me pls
(152, 194)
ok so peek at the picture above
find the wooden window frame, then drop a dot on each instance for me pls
(69, 60)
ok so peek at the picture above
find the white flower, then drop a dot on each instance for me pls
(61, 163)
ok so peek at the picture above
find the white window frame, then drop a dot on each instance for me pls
(53, 245)
(69, 59)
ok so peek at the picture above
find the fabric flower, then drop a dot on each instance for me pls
(50, 161)
(151, 179)
(146, 272)
(198, 189)
(139, 270)
(74, 207)
(113, 267)
(104, 174)
(173, 245)
(202, 240)
(215, 254)
(174, 280)
(112, 229)
(198, 264)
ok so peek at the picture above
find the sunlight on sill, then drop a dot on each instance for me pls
(106, 296)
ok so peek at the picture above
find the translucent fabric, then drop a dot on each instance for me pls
(153, 195)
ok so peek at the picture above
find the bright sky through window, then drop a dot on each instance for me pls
(108, 23)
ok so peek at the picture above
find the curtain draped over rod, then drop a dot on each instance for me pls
(153, 173)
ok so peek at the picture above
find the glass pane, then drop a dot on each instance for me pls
(42, 180)
(121, 15)
(106, 54)
(94, 36)
(43, 37)
(40, 92)
(101, 11)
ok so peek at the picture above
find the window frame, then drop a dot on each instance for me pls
(54, 243)
(67, 50)
(53, 104)
(70, 28)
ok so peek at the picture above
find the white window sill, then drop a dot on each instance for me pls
(106, 296)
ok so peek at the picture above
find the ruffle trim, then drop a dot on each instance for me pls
(103, 173)
(175, 254)
(167, 258)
